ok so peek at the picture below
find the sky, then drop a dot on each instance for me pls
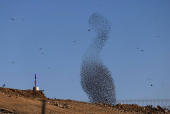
(136, 53)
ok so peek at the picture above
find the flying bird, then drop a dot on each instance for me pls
(48, 68)
(142, 50)
(148, 78)
(151, 85)
(22, 19)
(137, 47)
(3, 85)
(89, 30)
(74, 42)
(40, 49)
(42, 53)
(157, 36)
(12, 19)
(12, 62)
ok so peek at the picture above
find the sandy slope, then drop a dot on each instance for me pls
(29, 102)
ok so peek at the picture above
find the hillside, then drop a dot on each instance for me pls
(30, 102)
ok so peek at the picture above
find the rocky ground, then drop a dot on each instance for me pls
(14, 101)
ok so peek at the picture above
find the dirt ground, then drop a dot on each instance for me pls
(14, 101)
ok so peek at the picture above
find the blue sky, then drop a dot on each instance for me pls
(54, 25)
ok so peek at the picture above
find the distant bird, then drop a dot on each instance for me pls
(22, 19)
(40, 49)
(100, 5)
(89, 30)
(157, 36)
(12, 62)
(74, 42)
(142, 50)
(42, 53)
(3, 85)
(48, 68)
(143, 58)
(12, 19)
(137, 47)
(162, 84)
(148, 78)
(151, 85)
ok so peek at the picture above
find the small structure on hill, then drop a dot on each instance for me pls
(35, 86)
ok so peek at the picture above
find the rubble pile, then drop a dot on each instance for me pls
(135, 108)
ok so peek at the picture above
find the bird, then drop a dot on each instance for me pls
(3, 85)
(148, 78)
(137, 47)
(48, 68)
(74, 42)
(12, 19)
(42, 53)
(89, 30)
(100, 5)
(141, 50)
(157, 36)
(151, 84)
(40, 49)
(12, 62)
(22, 19)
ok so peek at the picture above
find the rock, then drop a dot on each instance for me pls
(166, 110)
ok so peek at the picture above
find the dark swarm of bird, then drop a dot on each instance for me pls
(96, 79)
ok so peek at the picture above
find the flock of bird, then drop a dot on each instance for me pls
(75, 44)
(41, 48)
(145, 65)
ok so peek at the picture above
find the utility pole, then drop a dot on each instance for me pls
(35, 81)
